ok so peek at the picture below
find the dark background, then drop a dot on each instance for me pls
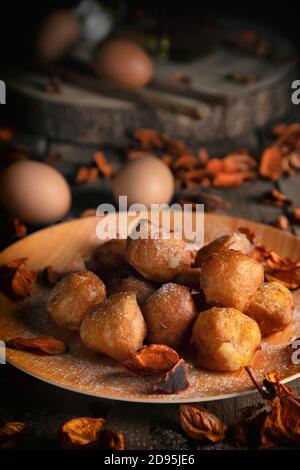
(19, 18)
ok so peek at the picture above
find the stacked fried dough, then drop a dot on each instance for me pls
(155, 290)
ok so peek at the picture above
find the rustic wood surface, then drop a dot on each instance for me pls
(211, 106)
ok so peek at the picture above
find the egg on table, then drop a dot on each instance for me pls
(34, 192)
(146, 180)
(123, 62)
(59, 31)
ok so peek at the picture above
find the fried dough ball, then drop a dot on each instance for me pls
(225, 339)
(71, 299)
(157, 259)
(189, 278)
(271, 307)
(230, 279)
(109, 257)
(237, 241)
(169, 314)
(116, 327)
(124, 282)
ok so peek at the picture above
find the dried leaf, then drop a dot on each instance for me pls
(229, 180)
(152, 360)
(249, 232)
(289, 278)
(17, 280)
(110, 439)
(200, 424)
(290, 137)
(296, 214)
(80, 432)
(10, 433)
(149, 139)
(203, 156)
(271, 163)
(102, 164)
(279, 129)
(49, 346)
(187, 162)
(86, 175)
(294, 160)
(243, 78)
(276, 198)
(174, 381)
(247, 429)
(282, 223)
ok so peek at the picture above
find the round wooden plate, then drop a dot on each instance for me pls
(65, 247)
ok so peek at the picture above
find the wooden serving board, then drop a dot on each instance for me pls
(65, 247)
(209, 107)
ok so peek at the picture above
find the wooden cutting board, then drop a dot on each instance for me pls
(210, 107)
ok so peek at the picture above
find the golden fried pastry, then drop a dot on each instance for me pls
(230, 279)
(109, 257)
(225, 339)
(189, 278)
(124, 282)
(116, 327)
(154, 257)
(71, 299)
(237, 241)
(169, 314)
(271, 307)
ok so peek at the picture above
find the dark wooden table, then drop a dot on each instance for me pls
(45, 406)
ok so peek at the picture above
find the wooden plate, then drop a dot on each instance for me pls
(65, 247)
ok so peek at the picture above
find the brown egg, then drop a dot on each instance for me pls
(34, 192)
(58, 33)
(123, 62)
(145, 181)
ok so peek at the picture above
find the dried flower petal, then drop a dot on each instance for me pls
(271, 163)
(185, 161)
(80, 432)
(229, 180)
(276, 198)
(200, 424)
(283, 223)
(152, 360)
(102, 164)
(289, 278)
(110, 439)
(17, 280)
(10, 433)
(296, 214)
(86, 175)
(49, 346)
(174, 381)
(249, 232)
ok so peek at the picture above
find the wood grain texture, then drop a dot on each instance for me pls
(65, 247)
(210, 107)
